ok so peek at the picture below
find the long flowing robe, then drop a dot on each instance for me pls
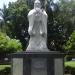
(37, 26)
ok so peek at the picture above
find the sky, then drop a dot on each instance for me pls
(6, 2)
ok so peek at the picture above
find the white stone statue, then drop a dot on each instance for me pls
(37, 28)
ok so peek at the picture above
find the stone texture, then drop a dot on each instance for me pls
(39, 66)
(59, 70)
(17, 66)
(38, 63)
(37, 28)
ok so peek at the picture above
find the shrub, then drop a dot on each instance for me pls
(8, 45)
(5, 70)
(70, 67)
(14, 45)
(70, 45)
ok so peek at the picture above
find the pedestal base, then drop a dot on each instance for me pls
(38, 63)
(39, 66)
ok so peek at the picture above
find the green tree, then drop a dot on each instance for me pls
(60, 22)
(18, 22)
(8, 45)
(4, 16)
(70, 44)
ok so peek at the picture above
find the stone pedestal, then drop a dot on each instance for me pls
(38, 63)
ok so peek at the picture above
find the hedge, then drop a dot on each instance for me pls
(5, 69)
(70, 67)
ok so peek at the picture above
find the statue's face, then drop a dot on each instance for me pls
(37, 4)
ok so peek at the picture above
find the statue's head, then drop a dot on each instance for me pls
(37, 4)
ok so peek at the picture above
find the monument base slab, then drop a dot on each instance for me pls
(38, 63)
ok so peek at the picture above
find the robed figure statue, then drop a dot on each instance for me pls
(37, 28)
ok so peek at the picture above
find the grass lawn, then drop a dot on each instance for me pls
(4, 66)
(70, 64)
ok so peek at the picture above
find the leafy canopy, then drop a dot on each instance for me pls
(9, 45)
(70, 45)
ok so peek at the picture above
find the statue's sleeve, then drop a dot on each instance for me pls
(44, 20)
(31, 21)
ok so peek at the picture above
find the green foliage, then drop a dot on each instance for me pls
(70, 64)
(70, 45)
(61, 22)
(18, 22)
(14, 45)
(4, 66)
(5, 19)
(70, 67)
(9, 45)
(5, 69)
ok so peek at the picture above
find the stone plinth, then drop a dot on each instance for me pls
(38, 63)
